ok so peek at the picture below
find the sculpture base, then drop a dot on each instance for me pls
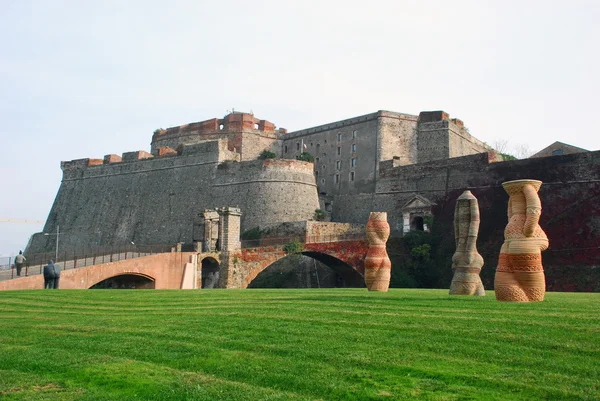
(520, 286)
(466, 284)
(378, 280)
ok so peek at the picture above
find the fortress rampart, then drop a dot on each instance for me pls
(150, 199)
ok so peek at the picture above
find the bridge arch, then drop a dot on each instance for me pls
(351, 254)
(314, 270)
(126, 280)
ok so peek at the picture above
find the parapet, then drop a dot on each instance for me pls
(80, 163)
(235, 122)
(138, 155)
(438, 115)
(433, 116)
(109, 159)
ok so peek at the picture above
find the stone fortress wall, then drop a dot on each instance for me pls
(159, 199)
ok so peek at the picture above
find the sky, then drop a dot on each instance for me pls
(88, 78)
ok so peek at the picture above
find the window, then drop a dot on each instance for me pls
(255, 126)
(311, 144)
(285, 149)
(558, 152)
(221, 126)
(352, 176)
(297, 145)
(323, 167)
(322, 180)
(339, 150)
(354, 147)
(353, 163)
(354, 134)
(338, 164)
(316, 160)
(337, 178)
(317, 174)
(340, 137)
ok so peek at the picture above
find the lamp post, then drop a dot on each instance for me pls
(57, 236)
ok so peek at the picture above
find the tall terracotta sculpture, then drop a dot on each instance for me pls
(520, 274)
(466, 262)
(378, 266)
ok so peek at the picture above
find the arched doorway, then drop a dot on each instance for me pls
(125, 282)
(416, 224)
(210, 273)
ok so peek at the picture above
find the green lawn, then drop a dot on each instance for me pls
(296, 345)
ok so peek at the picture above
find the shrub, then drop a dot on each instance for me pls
(267, 154)
(319, 215)
(306, 157)
(293, 248)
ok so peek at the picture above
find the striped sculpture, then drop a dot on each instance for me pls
(377, 263)
(466, 261)
(520, 274)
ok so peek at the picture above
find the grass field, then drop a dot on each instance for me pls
(344, 344)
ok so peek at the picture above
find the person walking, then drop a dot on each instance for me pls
(19, 261)
(51, 275)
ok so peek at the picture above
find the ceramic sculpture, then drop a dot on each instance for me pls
(377, 263)
(520, 274)
(466, 261)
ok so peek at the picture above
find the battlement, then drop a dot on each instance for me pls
(233, 122)
(213, 151)
(438, 115)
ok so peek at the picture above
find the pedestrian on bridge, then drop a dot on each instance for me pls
(51, 275)
(19, 261)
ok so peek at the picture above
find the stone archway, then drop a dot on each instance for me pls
(210, 273)
(126, 281)
(307, 270)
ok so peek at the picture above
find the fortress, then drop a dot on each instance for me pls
(408, 166)
(159, 197)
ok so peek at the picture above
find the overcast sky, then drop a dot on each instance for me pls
(88, 78)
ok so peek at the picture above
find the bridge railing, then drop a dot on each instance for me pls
(303, 239)
(74, 258)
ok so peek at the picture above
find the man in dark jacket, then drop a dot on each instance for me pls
(51, 275)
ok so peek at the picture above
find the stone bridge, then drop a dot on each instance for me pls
(340, 246)
(183, 270)
(174, 270)
(240, 267)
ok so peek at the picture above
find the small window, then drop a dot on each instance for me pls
(317, 173)
(354, 134)
(221, 126)
(255, 126)
(337, 178)
(323, 167)
(285, 149)
(354, 147)
(352, 176)
(338, 164)
(322, 180)
(325, 140)
(339, 150)
(311, 144)
(340, 137)
(297, 145)
(558, 152)
(316, 160)
(353, 162)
